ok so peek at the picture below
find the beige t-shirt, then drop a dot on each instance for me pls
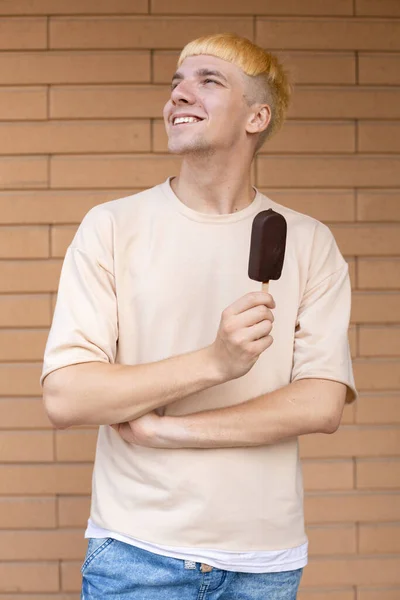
(146, 278)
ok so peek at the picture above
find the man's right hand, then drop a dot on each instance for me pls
(243, 334)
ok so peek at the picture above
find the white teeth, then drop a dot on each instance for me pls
(185, 120)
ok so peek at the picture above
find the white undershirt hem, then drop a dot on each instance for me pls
(272, 561)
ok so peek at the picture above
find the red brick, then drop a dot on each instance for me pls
(348, 416)
(352, 571)
(63, 67)
(47, 597)
(377, 8)
(53, 206)
(29, 171)
(64, 7)
(368, 239)
(29, 275)
(330, 68)
(71, 576)
(61, 237)
(379, 341)
(378, 409)
(29, 577)
(378, 273)
(352, 335)
(26, 446)
(111, 170)
(20, 379)
(73, 511)
(164, 65)
(313, 136)
(328, 474)
(377, 374)
(27, 513)
(22, 345)
(42, 545)
(352, 270)
(76, 446)
(326, 594)
(24, 242)
(140, 32)
(253, 7)
(304, 67)
(107, 101)
(328, 205)
(378, 205)
(23, 33)
(379, 136)
(159, 142)
(379, 539)
(23, 413)
(345, 102)
(333, 171)
(378, 594)
(378, 473)
(332, 539)
(52, 137)
(45, 479)
(23, 103)
(379, 69)
(352, 440)
(352, 506)
(53, 303)
(376, 307)
(28, 310)
(328, 34)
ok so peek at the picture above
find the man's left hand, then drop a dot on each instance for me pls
(141, 431)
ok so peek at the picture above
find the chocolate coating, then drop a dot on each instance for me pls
(267, 246)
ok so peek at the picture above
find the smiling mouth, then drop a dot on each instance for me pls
(185, 121)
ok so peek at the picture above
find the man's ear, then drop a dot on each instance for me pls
(259, 119)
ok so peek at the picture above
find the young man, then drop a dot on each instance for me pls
(160, 337)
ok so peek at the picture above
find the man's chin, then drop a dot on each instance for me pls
(189, 149)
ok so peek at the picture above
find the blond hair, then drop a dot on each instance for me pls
(269, 82)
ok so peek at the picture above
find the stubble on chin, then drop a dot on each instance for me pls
(198, 148)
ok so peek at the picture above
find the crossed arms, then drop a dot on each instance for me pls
(304, 406)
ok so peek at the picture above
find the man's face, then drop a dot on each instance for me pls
(211, 90)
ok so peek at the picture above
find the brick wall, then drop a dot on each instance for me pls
(82, 85)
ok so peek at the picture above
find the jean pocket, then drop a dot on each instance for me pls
(96, 546)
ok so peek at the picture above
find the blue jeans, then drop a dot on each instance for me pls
(114, 570)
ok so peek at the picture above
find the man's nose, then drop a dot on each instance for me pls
(183, 93)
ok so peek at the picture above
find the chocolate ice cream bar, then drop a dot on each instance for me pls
(267, 247)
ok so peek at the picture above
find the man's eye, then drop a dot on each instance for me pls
(211, 80)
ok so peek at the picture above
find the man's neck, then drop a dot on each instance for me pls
(213, 190)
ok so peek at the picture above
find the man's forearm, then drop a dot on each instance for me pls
(100, 393)
(305, 406)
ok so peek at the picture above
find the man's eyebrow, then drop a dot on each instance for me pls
(201, 73)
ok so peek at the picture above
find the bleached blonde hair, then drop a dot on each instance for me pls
(268, 80)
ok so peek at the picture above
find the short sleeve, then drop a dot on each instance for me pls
(321, 346)
(85, 326)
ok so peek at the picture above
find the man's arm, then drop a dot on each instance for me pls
(304, 406)
(99, 393)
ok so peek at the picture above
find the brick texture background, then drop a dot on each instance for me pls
(82, 85)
